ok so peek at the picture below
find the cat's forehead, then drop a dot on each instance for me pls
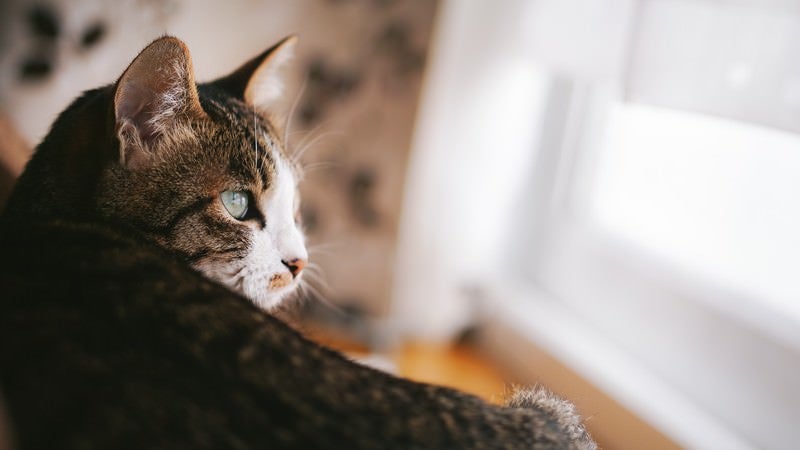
(246, 138)
(230, 112)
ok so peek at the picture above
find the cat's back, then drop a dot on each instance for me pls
(107, 341)
(105, 338)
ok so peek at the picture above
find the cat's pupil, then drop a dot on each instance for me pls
(235, 203)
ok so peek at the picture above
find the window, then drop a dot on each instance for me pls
(715, 197)
(649, 211)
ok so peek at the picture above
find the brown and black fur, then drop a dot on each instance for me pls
(75, 173)
(109, 339)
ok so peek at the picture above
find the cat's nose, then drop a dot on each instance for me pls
(294, 265)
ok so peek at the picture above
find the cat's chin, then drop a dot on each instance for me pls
(271, 300)
(266, 295)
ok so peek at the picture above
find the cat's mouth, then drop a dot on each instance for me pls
(278, 288)
(266, 291)
(280, 281)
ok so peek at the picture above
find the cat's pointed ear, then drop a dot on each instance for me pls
(258, 82)
(152, 96)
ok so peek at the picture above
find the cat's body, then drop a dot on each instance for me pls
(124, 347)
(119, 324)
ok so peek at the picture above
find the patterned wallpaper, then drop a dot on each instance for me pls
(360, 99)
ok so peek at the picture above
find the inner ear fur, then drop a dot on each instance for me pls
(155, 92)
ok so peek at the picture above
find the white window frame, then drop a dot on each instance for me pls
(572, 302)
(656, 319)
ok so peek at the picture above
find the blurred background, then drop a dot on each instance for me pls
(598, 195)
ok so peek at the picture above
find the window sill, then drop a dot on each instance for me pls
(626, 405)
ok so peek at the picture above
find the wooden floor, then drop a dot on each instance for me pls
(458, 366)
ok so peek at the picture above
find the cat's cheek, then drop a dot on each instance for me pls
(267, 280)
(225, 273)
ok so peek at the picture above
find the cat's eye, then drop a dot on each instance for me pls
(235, 203)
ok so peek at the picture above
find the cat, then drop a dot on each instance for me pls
(143, 248)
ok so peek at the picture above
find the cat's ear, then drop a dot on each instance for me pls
(258, 82)
(152, 96)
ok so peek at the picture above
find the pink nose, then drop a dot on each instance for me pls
(295, 265)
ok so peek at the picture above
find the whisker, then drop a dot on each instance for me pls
(319, 279)
(321, 165)
(237, 273)
(296, 101)
(321, 252)
(311, 133)
(326, 252)
(318, 274)
(304, 294)
(308, 135)
(325, 245)
(315, 269)
(338, 244)
(323, 299)
(306, 144)
(255, 131)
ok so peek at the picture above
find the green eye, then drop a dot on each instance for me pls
(235, 202)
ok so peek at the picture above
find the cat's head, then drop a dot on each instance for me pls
(200, 169)
(213, 165)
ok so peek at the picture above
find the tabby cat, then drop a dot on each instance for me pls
(142, 247)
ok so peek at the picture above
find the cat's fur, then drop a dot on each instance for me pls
(110, 339)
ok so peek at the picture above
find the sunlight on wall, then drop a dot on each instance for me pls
(714, 196)
(474, 144)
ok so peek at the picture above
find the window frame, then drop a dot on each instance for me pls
(561, 300)
(662, 319)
